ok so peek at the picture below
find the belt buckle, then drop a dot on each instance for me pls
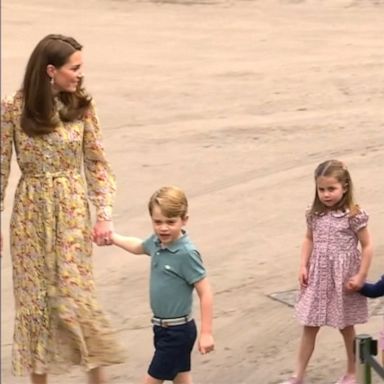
(164, 324)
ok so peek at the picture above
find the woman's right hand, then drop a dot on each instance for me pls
(102, 231)
(303, 276)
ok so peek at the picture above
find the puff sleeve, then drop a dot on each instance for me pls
(359, 221)
(98, 172)
(309, 219)
(7, 128)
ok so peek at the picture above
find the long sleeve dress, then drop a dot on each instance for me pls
(58, 321)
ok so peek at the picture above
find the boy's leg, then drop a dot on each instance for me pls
(183, 378)
(307, 345)
(349, 339)
(39, 379)
(97, 376)
(148, 379)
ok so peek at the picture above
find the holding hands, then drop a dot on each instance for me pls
(102, 232)
(355, 283)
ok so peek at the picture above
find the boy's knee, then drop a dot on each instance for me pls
(183, 378)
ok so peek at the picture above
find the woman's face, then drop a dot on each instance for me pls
(67, 77)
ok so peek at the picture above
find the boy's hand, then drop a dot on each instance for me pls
(102, 232)
(206, 343)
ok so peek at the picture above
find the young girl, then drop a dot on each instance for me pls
(332, 268)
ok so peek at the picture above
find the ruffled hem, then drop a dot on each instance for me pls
(54, 340)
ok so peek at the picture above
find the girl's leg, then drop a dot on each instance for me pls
(148, 379)
(97, 376)
(349, 337)
(183, 378)
(39, 379)
(307, 345)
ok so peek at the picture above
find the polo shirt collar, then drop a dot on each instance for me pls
(175, 245)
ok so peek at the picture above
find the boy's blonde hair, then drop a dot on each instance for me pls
(171, 200)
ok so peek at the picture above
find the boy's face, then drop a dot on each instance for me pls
(167, 229)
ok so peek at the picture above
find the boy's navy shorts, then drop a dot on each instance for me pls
(173, 347)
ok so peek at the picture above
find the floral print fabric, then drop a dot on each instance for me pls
(335, 258)
(58, 321)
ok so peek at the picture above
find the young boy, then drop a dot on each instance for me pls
(374, 290)
(176, 270)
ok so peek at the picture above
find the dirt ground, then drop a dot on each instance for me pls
(236, 102)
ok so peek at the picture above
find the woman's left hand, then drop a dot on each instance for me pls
(102, 232)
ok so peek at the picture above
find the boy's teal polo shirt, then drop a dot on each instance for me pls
(174, 271)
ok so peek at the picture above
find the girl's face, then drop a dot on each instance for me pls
(67, 77)
(167, 229)
(329, 190)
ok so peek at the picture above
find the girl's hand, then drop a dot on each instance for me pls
(355, 283)
(303, 276)
(102, 232)
(206, 343)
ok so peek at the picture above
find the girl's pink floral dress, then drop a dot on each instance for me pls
(335, 258)
(58, 321)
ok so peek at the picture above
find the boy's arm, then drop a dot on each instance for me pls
(131, 244)
(373, 290)
(203, 289)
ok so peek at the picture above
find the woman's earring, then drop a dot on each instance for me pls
(52, 81)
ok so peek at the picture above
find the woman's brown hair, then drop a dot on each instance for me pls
(39, 115)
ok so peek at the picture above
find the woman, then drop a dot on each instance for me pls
(52, 124)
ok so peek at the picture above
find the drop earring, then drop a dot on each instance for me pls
(52, 81)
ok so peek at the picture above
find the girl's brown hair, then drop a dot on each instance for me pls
(171, 200)
(338, 170)
(39, 115)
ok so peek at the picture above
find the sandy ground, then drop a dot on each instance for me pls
(236, 102)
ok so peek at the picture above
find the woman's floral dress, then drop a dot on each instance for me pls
(335, 259)
(58, 321)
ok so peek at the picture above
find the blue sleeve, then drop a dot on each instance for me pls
(192, 268)
(149, 245)
(373, 290)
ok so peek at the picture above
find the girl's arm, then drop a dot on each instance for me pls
(357, 281)
(306, 251)
(373, 290)
(366, 251)
(203, 289)
(131, 244)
